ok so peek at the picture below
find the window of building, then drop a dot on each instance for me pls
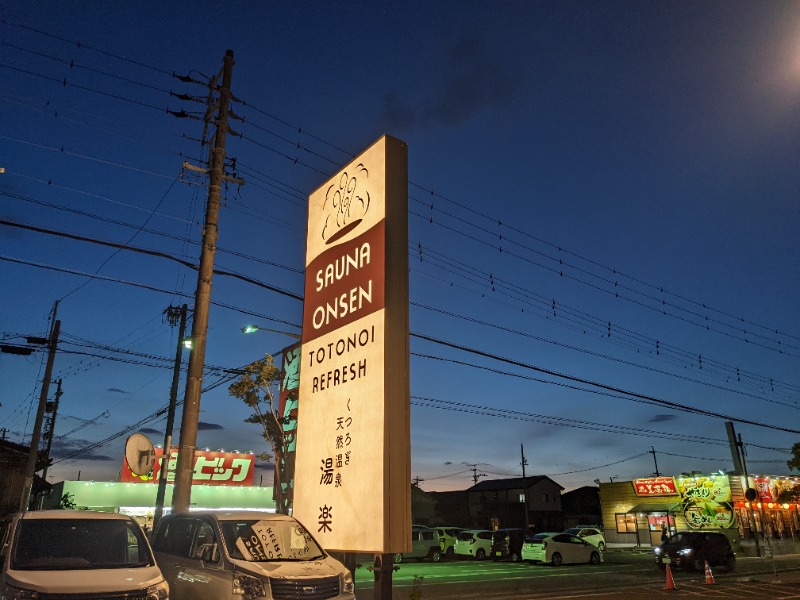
(545, 497)
(625, 523)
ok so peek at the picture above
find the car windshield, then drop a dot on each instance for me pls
(538, 537)
(67, 544)
(465, 536)
(573, 530)
(267, 540)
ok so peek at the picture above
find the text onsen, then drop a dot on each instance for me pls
(350, 301)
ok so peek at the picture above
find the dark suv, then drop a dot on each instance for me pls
(691, 549)
(507, 544)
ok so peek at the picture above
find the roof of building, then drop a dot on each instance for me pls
(510, 484)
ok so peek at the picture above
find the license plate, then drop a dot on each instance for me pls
(499, 553)
(666, 560)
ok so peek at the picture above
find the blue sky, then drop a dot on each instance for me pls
(600, 193)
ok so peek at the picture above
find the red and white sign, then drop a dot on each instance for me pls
(655, 486)
(210, 468)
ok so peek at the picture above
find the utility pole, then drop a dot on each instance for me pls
(475, 474)
(181, 493)
(740, 449)
(51, 429)
(653, 452)
(173, 315)
(30, 468)
(524, 486)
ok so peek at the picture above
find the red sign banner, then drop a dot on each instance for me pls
(655, 486)
(210, 468)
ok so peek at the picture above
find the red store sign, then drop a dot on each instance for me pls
(655, 486)
(210, 468)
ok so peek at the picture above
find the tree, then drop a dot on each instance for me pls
(794, 462)
(256, 388)
(67, 502)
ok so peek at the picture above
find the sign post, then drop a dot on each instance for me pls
(353, 457)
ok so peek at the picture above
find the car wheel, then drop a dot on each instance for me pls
(398, 558)
(595, 558)
(450, 552)
(514, 557)
(730, 564)
(601, 546)
(698, 565)
(556, 560)
(480, 554)
(436, 555)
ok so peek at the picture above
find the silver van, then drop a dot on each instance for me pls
(76, 554)
(215, 555)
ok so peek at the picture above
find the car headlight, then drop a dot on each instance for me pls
(657, 550)
(685, 551)
(13, 593)
(248, 586)
(348, 587)
(159, 591)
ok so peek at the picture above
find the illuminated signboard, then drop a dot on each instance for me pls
(706, 501)
(353, 461)
(655, 486)
(287, 409)
(770, 488)
(210, 468)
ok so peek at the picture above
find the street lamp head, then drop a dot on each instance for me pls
(254, 328)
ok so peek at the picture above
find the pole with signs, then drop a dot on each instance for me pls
(353, 457)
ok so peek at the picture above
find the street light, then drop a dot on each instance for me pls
(254, 328)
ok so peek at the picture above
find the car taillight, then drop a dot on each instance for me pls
(544, 545)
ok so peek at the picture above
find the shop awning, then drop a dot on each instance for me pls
(655, 507)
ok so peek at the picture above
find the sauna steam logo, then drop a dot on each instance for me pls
(346, 203)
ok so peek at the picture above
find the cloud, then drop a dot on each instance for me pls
(150, 431)
(662, 418)
(471, 82)
(117, 391)
(201, 426)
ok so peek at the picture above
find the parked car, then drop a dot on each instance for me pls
(690, 550)
(213, 555)
(474, 543)
(424, 544)
(590, 534)
(507, 544)
(532, 543)
(77, 554)
(447, 539)
(562, 548)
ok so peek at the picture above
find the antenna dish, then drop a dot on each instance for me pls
(140, 454)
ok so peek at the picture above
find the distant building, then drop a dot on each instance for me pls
(581, 506)
(13, 462)
(423, 507)
(503, 503)
(452, 508)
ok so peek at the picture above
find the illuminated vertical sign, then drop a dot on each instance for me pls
(287, 409)
(353, 460)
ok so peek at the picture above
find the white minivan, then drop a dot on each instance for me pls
(217, 555)
(76, 554)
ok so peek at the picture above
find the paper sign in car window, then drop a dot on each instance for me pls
(259, 542)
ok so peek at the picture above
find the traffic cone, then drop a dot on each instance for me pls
(670, 582)
(709, 575)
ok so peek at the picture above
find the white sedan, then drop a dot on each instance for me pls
(561, 548)
(591, 535)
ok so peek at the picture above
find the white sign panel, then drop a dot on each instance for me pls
(353, 461)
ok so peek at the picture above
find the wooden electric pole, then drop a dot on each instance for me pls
(33, 455)
(173, 313)
(187, 444)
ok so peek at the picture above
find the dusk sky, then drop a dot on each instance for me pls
(604, 215)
